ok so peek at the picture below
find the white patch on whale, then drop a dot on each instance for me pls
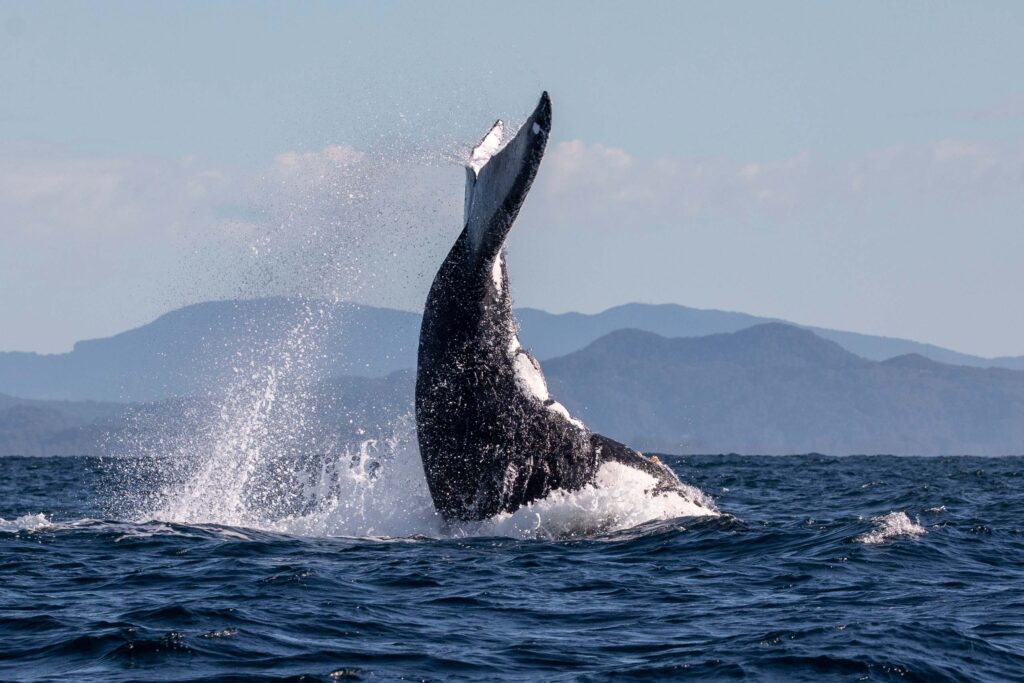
(531, 382)
(529, 378)
(496, 273)
(511, 473)
(557, 407)
(514, 346)
(488, 147)
(478, 158)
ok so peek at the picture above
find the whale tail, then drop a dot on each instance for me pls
(498, 179)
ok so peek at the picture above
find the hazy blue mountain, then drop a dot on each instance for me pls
(552, 335)
(191, 349)
(342, 410)
(883, 348)
(766, 389)
(29, 427)
(776, 388)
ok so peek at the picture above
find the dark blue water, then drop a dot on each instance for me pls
(812, 577)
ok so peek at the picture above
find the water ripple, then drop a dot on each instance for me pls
(784, 586)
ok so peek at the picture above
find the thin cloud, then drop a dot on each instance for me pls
(58, 195)
(49, 194)
(608, 186)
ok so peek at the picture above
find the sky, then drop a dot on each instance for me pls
(856, 166)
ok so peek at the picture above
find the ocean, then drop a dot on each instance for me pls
(818, 568)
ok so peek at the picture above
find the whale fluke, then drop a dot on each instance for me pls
(498, 178)
(490, 436)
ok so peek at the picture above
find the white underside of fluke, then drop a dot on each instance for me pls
(478, 158)
(488, 147)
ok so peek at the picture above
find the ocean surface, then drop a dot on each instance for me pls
(817, 568)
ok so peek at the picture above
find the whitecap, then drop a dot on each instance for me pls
(34, 522)
(889, 526)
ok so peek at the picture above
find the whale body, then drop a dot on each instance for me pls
(490, 436)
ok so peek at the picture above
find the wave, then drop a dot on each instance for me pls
(890, 526)
(25, 523)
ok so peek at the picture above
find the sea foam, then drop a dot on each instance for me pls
(25, 523)
(892, 525)
(378, 490)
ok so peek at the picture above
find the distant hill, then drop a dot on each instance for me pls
(766, 389)
(776, 388)
(30, 427)
(553, 335)
(339, 410)
(188, 350)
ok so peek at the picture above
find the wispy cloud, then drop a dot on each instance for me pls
(58, 195)
(946, 171)
(370, 224)
(605, 185)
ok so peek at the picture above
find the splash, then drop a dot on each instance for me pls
(376, 489)
(241, 455)
(25, 523)
(266, 462)
(278, 449)
(273, 446)
(892, 525)
(621, 498)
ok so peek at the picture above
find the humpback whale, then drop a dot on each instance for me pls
(490, 436)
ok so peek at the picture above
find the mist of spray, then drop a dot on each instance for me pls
(274, 446)
(268, 440)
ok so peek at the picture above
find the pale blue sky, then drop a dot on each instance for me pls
(859, 167)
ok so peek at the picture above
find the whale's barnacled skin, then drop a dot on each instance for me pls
(490, 437)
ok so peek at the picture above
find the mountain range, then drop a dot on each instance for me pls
(189, 350)
(776, 388)
(761, 388)
(764, 388)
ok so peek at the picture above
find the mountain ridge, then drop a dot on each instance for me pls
(767, 389)
(186, 351)
(776, 389)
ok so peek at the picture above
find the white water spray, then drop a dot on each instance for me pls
(271, 450)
